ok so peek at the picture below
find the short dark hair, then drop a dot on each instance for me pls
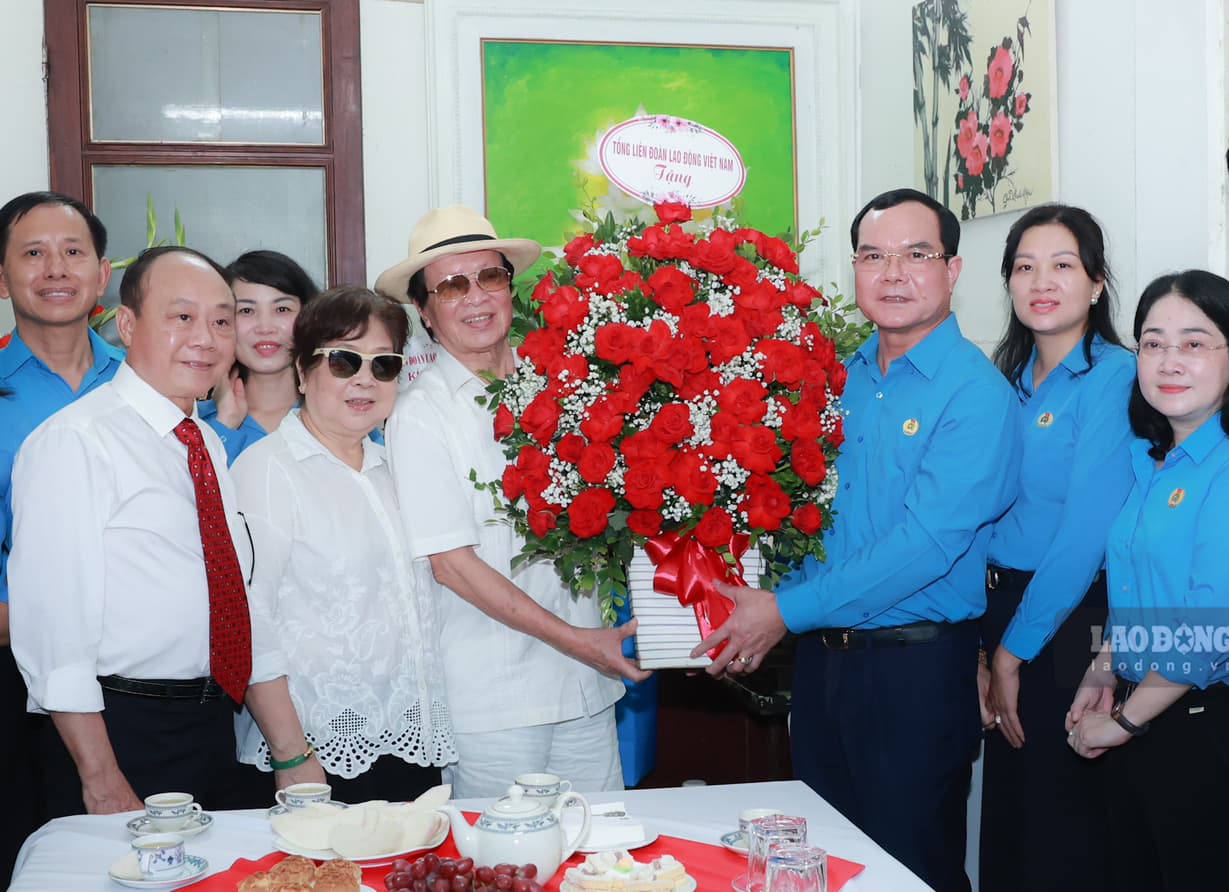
(18, 207)
(276, 270)
(417, 288)
(1013, 351)
(1210, 294)
(949, 226)
(342, 313)
(132, 287)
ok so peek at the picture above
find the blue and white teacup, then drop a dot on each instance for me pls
(169, 812)
(303, 795)
(542, 787)
(159, 854)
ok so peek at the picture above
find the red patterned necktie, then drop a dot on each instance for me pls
(230, 626)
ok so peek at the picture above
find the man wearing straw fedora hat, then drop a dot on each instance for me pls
(531, 676)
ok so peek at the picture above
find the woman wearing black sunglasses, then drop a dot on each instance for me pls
(357, 628)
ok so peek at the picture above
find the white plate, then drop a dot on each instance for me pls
(689, 885)
(736, 841)
(139, 826)
(650, 836)
(194, 867)
(382, 860)
(282, 810)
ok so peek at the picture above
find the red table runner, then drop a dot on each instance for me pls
(713, 867)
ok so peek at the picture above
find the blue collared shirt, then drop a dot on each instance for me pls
(1168, 582)
(931, 459)
(1074, 477)
(38, 393)
(235, 440)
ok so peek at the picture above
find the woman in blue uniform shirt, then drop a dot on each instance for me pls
(1165, 663)
(270, 290)
(1073, 378)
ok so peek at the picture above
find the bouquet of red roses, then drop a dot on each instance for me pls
(680, 388)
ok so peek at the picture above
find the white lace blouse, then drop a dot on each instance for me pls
(357, 627)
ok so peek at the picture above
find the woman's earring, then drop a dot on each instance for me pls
(1095, 296)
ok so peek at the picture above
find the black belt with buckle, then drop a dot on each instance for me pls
(201, 690)
(1002, 577)
(893, 636)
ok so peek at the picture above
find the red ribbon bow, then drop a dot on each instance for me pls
(687, 570)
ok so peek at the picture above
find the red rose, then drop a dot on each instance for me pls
(782, 361)
(544, 288)
(729, 339)
(807, 459)
(766, 503)
(644, 523)
(696, 383)
(1002, 68)
(661, 243)
(763, 323)
(808, 519)
(837, 435)
(578, 248)
(696, 321)
(642, 487)
(671, 289)
(672, 212)
(746, 236)
(534, 466)
(589, 512)
(603, 423)
(724, 430)
(715, 528)
(801, 421)
(598, 272)
(541, 521)
(713, 255)
(672, 423)
(596, 462)
(743, 399)
(692, 480)
(504, 422)
(542, 346)
(1000, 135)
(756, 449)
(513, 483)
(779, 254)
(814, 384)
(759, 297)
(802, 295)
(643, 448)
(743, 275)
(97, 311)
(541, 417)
(616, 342)
(634, 383)
(566, 309)
(674, 359)
(568, 370)
(570, 447)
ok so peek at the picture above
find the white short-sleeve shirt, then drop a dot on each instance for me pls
(496, 677)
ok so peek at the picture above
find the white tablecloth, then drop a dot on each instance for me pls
(73, 854)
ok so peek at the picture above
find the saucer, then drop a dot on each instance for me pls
(736, 841)
(142, 824)
(283, 810)
(650, 836)
(193, 867)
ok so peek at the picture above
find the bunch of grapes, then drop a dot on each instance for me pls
(431, 873)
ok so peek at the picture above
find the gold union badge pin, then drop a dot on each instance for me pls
(1176, 497)
(1046, 419)
(910, 427)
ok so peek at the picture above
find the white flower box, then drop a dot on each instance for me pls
(667, 631)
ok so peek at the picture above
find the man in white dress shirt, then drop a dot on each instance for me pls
(531, 677)
(109, 594)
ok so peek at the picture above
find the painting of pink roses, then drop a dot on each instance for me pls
(983, 103)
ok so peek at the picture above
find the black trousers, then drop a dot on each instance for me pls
(887, 735)
(160, 745)
(388, 778)
(1043, 804)
(1169, 798)
(20, 763)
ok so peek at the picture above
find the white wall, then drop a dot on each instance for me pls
(1141, 143)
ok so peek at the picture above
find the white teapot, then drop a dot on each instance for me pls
(516, 830)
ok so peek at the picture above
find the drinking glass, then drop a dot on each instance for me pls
(765, 832)
(796, 868)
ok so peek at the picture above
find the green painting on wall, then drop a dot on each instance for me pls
(546, 106)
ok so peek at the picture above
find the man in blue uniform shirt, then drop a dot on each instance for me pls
(53, 271)
(885, 716)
